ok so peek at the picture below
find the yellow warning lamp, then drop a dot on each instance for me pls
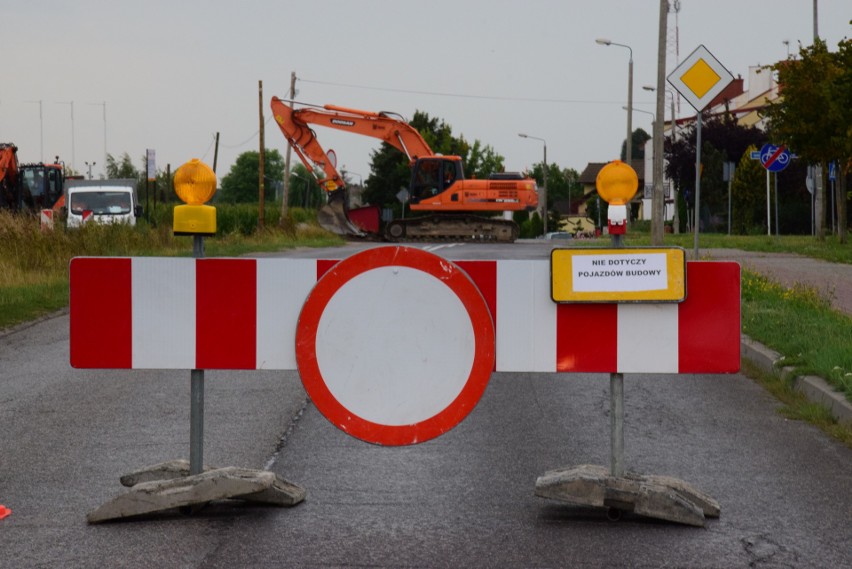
(195, 184)
(617, 184)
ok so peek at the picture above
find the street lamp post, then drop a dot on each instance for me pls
(544, 176)
(71, 103)
(629, 141)
(352, 196)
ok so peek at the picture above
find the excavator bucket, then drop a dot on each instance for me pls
(332, 217)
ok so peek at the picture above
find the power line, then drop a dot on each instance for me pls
(459, 95)
(247, 140)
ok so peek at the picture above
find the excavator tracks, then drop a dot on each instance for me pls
(452, 228)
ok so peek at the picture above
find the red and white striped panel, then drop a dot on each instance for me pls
(167, 313)
(699, 335)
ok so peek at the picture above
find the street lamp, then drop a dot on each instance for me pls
(635, 110)
(354, 197)
(544, 176)
(672, 95)
(629, 141)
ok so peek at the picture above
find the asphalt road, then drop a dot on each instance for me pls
(465, 499)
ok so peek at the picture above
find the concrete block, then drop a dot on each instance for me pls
(659, 497)
(219, 484)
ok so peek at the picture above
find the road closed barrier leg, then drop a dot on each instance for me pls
(192, 490)
(698, 335)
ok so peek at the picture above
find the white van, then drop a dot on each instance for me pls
(101, 201)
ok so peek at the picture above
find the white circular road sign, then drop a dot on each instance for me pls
(395, 346)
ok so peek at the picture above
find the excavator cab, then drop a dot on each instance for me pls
(41, 186)
(434, 175)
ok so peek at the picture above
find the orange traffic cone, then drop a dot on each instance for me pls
(4, 511)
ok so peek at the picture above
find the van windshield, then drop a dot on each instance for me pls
(100, 203)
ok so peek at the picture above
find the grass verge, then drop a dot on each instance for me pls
(800, 324)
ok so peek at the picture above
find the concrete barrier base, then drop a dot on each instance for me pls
(169, 485)
(659, 497)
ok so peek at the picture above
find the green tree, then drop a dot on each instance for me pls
(241, 184)
(639, 137)
(121, 167)
(811, 118)
(723, 140)
(748, 190)
(481, 161)
(304, 189)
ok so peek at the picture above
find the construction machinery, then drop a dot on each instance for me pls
(28, 187)
(458, 208)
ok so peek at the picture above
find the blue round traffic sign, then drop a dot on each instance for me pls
(774, 158)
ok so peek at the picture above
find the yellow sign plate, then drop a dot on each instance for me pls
(700, 77)
(640, 274)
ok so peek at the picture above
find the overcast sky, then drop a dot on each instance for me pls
(169, 75)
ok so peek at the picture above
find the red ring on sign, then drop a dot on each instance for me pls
(447, 273)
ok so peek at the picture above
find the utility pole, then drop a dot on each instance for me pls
(816, 27)
(286, 187)
(658, 209)
(261, 173)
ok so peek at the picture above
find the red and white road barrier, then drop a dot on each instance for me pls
(46, 219)
(394, 345)
(167, 313)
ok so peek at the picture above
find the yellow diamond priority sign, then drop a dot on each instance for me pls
(700, 77)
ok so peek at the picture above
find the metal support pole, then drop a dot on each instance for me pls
(768, 207)
(777, 219)
(616, 404)
(196, 422)
(196, 413)
(697, 207)
(616, 421)
(730, 183)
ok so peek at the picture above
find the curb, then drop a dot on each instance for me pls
(815, 388)
(29, 323)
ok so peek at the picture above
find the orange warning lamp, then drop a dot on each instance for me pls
(617, 184)
(195, 184)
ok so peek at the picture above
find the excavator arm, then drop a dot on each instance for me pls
(295, 125)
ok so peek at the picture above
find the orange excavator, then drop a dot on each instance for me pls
(458, 208)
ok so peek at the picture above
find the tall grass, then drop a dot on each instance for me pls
(34, 262)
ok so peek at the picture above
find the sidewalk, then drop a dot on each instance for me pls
(833, 280)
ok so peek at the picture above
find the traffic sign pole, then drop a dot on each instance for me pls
(697, 209)
(768, 207)
(700, 78)
(774, 159)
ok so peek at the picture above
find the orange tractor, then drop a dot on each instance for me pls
(458, 207)
(28, 187)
